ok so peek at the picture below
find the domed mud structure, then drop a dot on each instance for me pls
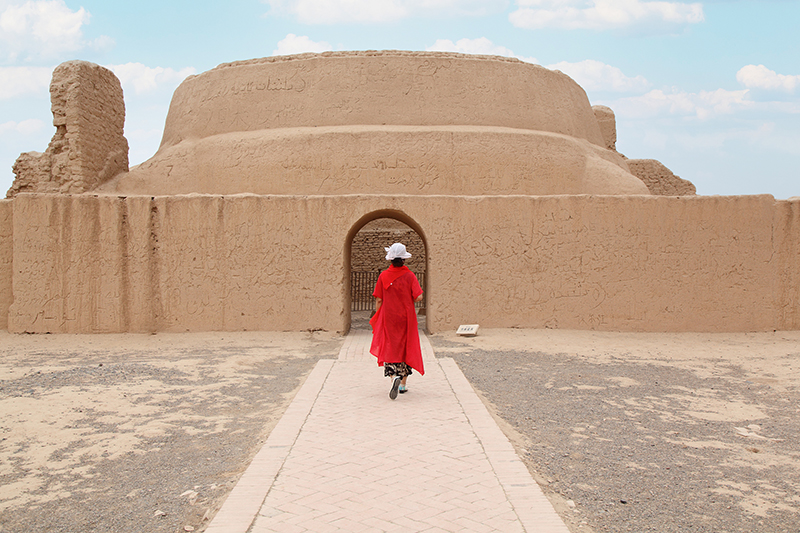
(381, 123)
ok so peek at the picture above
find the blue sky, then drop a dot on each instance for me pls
(711, 89)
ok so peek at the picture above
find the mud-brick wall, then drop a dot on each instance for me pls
(105, 264)
(6, 265)
(89, 146)
(204, 263)
(786, 233)
(367, 252)
(616, 263)
(93, 118)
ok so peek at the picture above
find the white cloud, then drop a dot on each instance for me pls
(23, 81)
(716, 137)
(721, 102)
(42, 29)
(590, 74)
(481, 46)
(104, 42)
(365, 11)
(144, 79)
(602, 14)
(143, 143)
(337, 11)
(26, 127)
(760, 77)
(702, 105)
(597, 76)
(298, 44)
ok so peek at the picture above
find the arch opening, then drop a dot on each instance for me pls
(365, 259)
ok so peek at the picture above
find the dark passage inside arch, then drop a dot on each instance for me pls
(368, 259)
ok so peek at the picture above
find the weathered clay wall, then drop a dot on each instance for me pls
(6, 265)
(382, 160)
(89, 146)
(173, 264)
(634, 264)
(787, 279)
(376, 88)
(659, 179)
(278, 263)
(607, 122)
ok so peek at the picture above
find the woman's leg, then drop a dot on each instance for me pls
(406, 372)
(399, 373)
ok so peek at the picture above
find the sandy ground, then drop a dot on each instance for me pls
(649, 432)
(625, 432)
(114, 433)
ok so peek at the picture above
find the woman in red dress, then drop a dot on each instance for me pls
(395, 337)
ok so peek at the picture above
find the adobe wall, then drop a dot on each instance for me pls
(203, 263)
(787, 280)
(624, 263)
(89, 146)
(659, 179)
(6, 264)
(607, 122)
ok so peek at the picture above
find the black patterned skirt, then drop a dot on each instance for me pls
(397, 369)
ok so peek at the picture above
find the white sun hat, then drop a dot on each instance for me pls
(397, 250)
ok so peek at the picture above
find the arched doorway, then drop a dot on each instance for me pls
(365, 260)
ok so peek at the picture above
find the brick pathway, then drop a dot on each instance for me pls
(344, 457)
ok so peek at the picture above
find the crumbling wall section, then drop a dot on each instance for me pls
(89, 146)
(202, 263)
(659, 179)
(608, 125)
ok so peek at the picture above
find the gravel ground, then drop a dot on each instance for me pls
(621, 445)
(138, 435)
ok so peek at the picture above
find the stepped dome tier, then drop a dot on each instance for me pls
(381, 123)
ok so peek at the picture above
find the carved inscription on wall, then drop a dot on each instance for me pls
(383, 160)
(610, 263)
(369, 88)
(200, 263)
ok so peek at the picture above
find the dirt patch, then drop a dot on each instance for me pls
(138, 432)
(649, 432)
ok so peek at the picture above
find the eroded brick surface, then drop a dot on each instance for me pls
(89, 146)
(659, 179)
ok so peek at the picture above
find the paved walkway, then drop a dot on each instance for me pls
(344, 457)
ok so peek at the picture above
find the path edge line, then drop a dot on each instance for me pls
(241, 507)
(532, 507)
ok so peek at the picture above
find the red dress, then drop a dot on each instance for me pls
(395, 337)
